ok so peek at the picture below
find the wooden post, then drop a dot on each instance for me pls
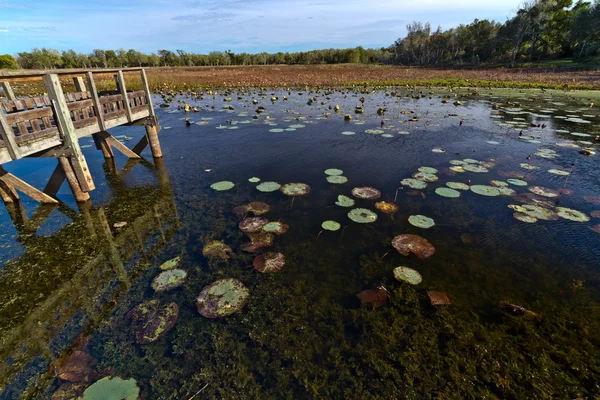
(7, 193)
(101, 143)
(123, 89)
(65, 126)
(8, 136)
(79, 194)
(152, 135)
(79, 84)
(148, 94)
(8, 92)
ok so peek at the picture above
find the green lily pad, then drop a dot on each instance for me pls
(499, 184)
(330, 225)
(348, 133)
(109, 388)
(168, 280)
(362, 216)
(152, 320)
(447, 192)
(504, 191)
(337, 179)
(223, 185)
(344, 201)
(216, 249)
(421, 221)
(539, 212)
(222, 298)
(516, 182)
(438, 150)
(525, 218)
(572, 215)
(457, 168)
(559, 172)
(267, 187)
(485, 190)
(428, 170)
(423, 176)
(254, 180)
(172, 263)
(471, 161)
(414, 183)
(457, 162)
(333, 171)
(457, 185)
(475, 168)
(407, 275)
(543, 191)
(276, 227)
(528, 166)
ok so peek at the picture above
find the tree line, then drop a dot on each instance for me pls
(540, 29)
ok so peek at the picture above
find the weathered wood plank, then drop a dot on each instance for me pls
(96, 101)
(72, 180)
(79, 84)
(46, 133)
(11, 180)
(123, 90)
(148, 93)
(118, 145)
(56, 180)
(8, 92)
(8, 136)
(24, 116)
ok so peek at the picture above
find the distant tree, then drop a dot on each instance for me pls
(8, 62)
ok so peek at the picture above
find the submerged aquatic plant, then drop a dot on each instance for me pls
(408, 243)
(109, 388)
(269, 262)
(152, 320)
(366, 192)
(405, 274)
(75, 367)
(295, 189)
(168, 280)
(222, 298)
(362, 216)
(217, 249)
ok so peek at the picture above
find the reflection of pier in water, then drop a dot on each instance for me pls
(66, 283)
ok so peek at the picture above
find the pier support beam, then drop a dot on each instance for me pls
(8, 92)
(11, 182)
(152, 137)
(78, 192)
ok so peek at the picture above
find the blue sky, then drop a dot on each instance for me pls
(239, 25)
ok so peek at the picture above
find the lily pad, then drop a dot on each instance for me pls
(457, 168)
(408, 243)
(499, 184)
(373, 297)
(414, 183)
(216, 249)
(269, 262)
(333, 171)
(485, 190)
(254, 180)
(267, 187)
(407, 275)
(295, 189)
(386, 207)
(344, 201)
(251, 225)
(438, 298)
(276, 227)
(423, 176)
(572, 215)
(152, 320)
(172, 263)
(516, 182)
(559, 172)
(258, 241)
(421, 221)
(75, 367)
(457, 185)
(428, 170)
(475, 168)
(447, 192)
(221, 186)
(525, 218)
(337, 179)
(543, 191)
(504, 191)
(109, 388)
(222, 298)
(362, 216)
(367, 193)
(330, 225)
(168, 280)
(539, 212)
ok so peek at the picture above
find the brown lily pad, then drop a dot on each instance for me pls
(531, 198)
(513, 174)
(595, 214)
(75, 367)
(386, 207)
(517, 311)
(217, 249)
(258, 241)
(595, 228)
(222, 298)
(595, 200)
(256, 207)
(373, 297)
(367, 193)
(253, 224)
(295, 189)
(438, 298)
(408, 243)
(152, 320)
(70, 391)
(269, 262)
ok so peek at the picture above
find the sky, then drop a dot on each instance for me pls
(251, 26)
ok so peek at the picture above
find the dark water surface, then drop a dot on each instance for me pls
(68, 277)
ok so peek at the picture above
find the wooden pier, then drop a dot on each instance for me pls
(51, 126)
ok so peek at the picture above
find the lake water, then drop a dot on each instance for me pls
(69, 277)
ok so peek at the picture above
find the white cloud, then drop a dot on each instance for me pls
(4, 31)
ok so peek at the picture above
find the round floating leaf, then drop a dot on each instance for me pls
(516, 182)
(344, 201)
(367, 193)
(348, 133)
(457, 162)
(407, 275)
(423, 176)
(438, 150)
(330, 226)
(276, 130)
(223, 185)
(386, 207)
(414, 183)
(333, 171)
(525, 218)
(269, 262)
(216, 249)
(539, 212)
(151, 320)
(471, 161)
(543, 191)
(109, 388)
(559, 172)
(222, 298)
(276, 227)
(373, 297)
(172, 263)
(485, 190)
(457, 185)
(75, 367)
(499, 184)
(268, 187)
(504, 191)
(475, 168)
(254, 180)
(447, 192)
(407, 243)
(457, 168)
(528, 166)
(337, 179)
(428, 170)
(258, 208)
(362, 216)
(295, 189)
(421, 221)
(258, 241)
(572, 215)
(253, 224)
(168, 280)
